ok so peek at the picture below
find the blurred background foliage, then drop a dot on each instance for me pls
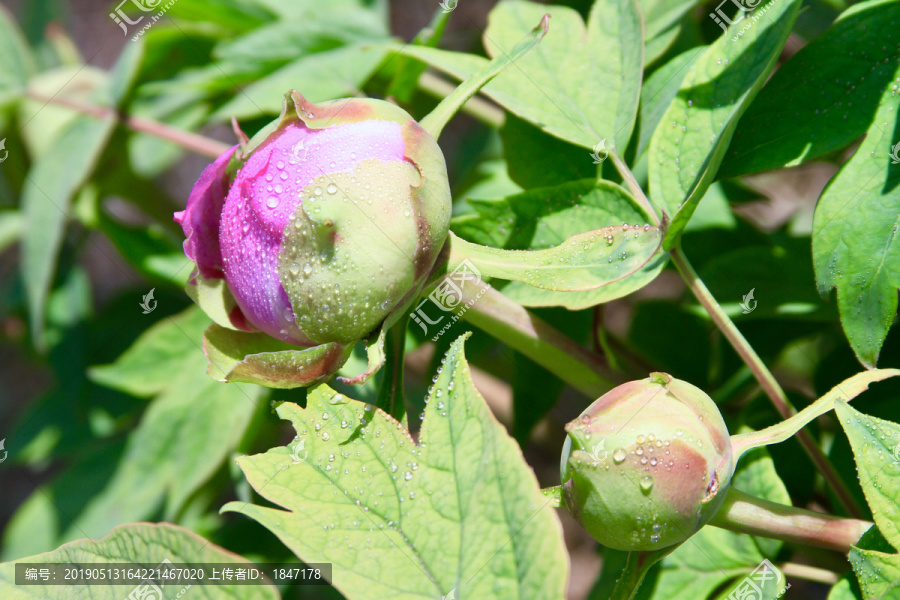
(107, 413)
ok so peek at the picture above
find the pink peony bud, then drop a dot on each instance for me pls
(325, 224)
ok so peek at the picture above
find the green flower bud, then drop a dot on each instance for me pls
(647, 464)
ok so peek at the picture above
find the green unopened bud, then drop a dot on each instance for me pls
(647, 464)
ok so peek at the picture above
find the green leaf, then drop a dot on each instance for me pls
(124, 73)
(258, 358)
(659, 90)
(50, 185)
(408, 71)
(845, 589)
(660, 15)
(435, 121)
(145, 369)
(134, 543)
(824, 97)
(581, 84)
(688, 145)
(585, 262)
(536, 159)
(855, 246)
(544, 218)
(375, 354)
(16, 60)
(875, 445)
(324, 27)
(460, 513)
(780, 277)
(184, 437)
(322, 76)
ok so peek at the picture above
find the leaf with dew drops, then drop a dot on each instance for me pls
(459, 510)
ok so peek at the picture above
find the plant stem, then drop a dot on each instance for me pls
(634, 570)
(809, 573)
(764, 376)
(535, 338)
(634, 187)
(193, 142)
(744, 513)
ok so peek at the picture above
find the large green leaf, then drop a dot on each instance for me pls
(688, 145)
(139, 544)
(876, 446)
(435, 121)
(591, 267)
(658, 92)
(459, 515)
(184, 436)
(145, 369)
(50, 185)
(581, 84)
(823, 98)
(855, 245)
(547, 217)
(322, 76)
(16, 60)
(661, 15)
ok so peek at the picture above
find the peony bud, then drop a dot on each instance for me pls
(325, 225)
(647, 464)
